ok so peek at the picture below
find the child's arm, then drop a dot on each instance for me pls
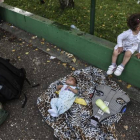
(120, 39)
(59, 87)
(73, 90)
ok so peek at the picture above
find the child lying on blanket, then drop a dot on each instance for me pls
(66, 98)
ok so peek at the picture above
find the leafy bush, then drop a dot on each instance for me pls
(110, 14)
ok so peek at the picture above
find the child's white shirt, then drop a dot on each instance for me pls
(66, 93)
(128, 40)
(65, 100)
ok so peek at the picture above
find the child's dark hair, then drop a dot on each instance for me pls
(74, 78)
(133, 21)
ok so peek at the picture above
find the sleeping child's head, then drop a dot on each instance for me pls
(71, 81)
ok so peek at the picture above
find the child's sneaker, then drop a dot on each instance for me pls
(119, 70)
(111, 69)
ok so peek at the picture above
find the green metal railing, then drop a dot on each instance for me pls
(92, 16)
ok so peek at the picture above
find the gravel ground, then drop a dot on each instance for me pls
(27, 123)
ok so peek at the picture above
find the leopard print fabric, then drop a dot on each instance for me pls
(75, 123)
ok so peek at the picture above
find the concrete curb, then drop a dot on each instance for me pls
(91, 49)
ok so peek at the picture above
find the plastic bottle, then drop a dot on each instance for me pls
(102, 106)
(0, 86)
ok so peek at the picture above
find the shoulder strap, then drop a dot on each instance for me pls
(25, 101)
(30, 83)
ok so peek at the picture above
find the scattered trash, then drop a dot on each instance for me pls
(52, 57)
(74, 27)
(70, 55)
(12, 26)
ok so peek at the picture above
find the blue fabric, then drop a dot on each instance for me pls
(65, 100)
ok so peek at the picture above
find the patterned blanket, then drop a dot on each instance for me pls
(75, 123)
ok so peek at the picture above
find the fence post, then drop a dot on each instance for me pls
(92, 16)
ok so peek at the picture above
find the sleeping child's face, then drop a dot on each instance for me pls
(71, 81)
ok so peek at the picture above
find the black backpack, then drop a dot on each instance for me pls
(11, 81)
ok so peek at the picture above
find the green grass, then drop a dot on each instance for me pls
(110, 19)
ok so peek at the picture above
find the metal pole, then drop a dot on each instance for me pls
(92, 16)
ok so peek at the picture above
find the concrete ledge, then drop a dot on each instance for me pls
(94, 50)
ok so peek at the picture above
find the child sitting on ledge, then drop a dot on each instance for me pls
(127, 41)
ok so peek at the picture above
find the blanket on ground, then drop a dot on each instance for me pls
(75, 123)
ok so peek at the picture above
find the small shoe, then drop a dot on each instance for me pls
(119, 70)
(111, 69)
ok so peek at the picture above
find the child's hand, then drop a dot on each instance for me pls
(68, 87)
(138, 55)
(120, 49)
(59, 87)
